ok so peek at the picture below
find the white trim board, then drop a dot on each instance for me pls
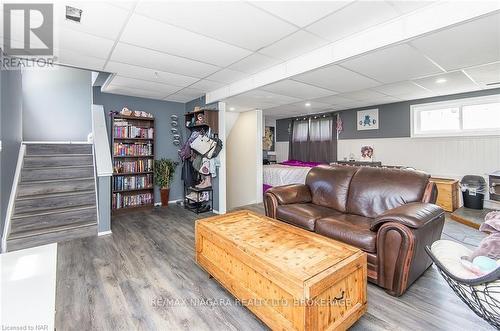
(104, 233)
(12, 197)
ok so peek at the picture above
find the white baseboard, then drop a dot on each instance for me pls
(104, 233)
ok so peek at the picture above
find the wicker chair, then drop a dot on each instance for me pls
(482, 294)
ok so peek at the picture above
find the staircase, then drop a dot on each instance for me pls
(56, 199)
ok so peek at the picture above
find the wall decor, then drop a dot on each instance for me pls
(367, 153)
(368, 119)
(268, 139)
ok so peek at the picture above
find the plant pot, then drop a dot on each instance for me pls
(164, 193)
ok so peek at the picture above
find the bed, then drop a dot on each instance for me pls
(288, 172)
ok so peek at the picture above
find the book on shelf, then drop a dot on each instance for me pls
(130, 131)
(121, 183)
(124, 200)
(132, 149)
(120, 166)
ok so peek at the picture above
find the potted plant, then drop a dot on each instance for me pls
(164, 172)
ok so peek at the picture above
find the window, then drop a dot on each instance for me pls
(321, 129)
(300, 130)
(470, 116)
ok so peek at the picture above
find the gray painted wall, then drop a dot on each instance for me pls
(282, 126)
(394, 118)
(11, 132)
(200, 102)
(56, 104)
(161, 110)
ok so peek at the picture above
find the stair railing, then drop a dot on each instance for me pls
(103, 168)
(12, 197)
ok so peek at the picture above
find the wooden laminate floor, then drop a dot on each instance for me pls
(143, 277)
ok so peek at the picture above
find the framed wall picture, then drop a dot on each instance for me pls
(368, 119)
(268, 139)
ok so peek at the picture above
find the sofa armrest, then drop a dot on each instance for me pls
(282, 195)
(414, 215)
(288, 194)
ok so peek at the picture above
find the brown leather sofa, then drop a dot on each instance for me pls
(388, 213)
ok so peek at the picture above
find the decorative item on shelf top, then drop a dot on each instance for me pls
(367, 153)
(164, 170)
(135, 113)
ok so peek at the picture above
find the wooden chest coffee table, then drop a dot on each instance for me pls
(290, 278)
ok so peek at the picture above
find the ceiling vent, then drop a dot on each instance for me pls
(73, 14)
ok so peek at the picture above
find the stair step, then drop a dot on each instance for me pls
(53, 219)
(48, 236)
(57, 160)
(53, 201)
(27, 189)
(51, 149)
(39, 174)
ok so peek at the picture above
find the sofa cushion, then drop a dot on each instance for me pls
(329, 185)
(350, 229)
(303, 215)
(376, 190)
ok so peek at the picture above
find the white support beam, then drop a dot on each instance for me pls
(414, 24)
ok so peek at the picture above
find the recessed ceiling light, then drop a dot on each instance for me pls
(232, 108)
(308, 104)
(441, 80)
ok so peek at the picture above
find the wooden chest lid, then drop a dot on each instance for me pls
(295, 252)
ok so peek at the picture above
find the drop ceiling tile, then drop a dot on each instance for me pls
(299, 43)
(354, 18)
(227, 76)
(254, 63)
(152, 34)
(98, 18)
(399, 89)
(234, 22)
(486, 74)
(206, 85)
(336, 78)
(84, 43)
(143, 85)
(404, 7)
(363, 95)
(178, 98)
(115, 89)
(190, 93)
(160, 61)
(75, 59)
(301, 13)
(393, 64)
(152, 75)
(259, 97)
(335, 100)
(468, 44)
(452, 82)
(123, 4)
(311, 106)
(297, 90)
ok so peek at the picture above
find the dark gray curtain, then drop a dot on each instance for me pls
(313, 140)
(299, 140)
(322, 140)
